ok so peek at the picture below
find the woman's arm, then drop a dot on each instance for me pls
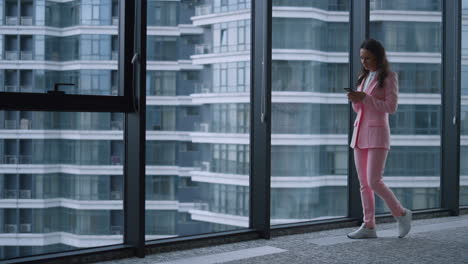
(356, 106)
(390, 103)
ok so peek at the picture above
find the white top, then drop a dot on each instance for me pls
(369, 78)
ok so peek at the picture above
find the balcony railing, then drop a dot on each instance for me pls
(26, 88)
(11, 228)
(116, 195)
(11, 88)
(116, 125)
(203, 49)
(203, 10)
(115, 55)
(25, 194)
(11, 55)
(10, 159)
(11, 20)
(26, 21)
(25, 159)
(202, 88)
(114, 90)
(26, 55)
(115, 160)
(11, 124)
(116, 230)
(25, 123)
(115, 21)
(10, 194)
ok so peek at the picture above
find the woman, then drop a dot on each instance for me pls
(375, 98)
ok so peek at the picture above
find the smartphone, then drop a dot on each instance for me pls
(349, 90)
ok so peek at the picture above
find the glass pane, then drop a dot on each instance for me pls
(198, 94)
(411, 34)
(61, 181)
(464, 108)
(48, 42)
(310, 68)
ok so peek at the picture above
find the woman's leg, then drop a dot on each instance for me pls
(375, 167)
(367, 195)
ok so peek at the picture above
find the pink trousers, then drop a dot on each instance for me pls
(370, 164)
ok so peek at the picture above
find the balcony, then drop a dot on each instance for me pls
(10, 159)
(203, 10)
(26, 88)
(11, 55)
(11, 228)
(26, 21)
(115, 160)
(25, 194)
(203, 49)
(26, 55)
(25, 123)
(11, 20)
(11, 88)
(115, 21)
(116, 230)
(116, 125)
(10, 124)
(114, 90)
(25, 159)
(211, 8)
(116, 195)
(10, 194)
(202, 88)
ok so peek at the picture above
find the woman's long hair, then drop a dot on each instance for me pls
(376, 48)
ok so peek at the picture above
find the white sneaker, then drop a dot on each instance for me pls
(363, 232)
(404, 223)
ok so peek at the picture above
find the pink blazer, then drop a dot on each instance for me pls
(371, 128)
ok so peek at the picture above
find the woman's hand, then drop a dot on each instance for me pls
(356, 97)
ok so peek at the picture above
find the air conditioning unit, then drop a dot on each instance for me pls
(115, 195)
(25, 228)
(24, 123)
(11, 194)
(114, 91)
(11, 159)
(205, 165)
(25, 194)
(204, 127)
(116, 230)
(11, 228)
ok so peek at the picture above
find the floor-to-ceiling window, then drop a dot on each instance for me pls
(411, 34)
(198, 117)
(464, 108)
(61, 173)
(61, 182)
(310, 68)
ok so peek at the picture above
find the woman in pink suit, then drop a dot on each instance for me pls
(376, 97)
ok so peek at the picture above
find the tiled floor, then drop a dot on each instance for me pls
(437, 240)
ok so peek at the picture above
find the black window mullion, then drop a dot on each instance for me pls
(133, 83)
(260, 129)
(450, 133)
(359, 23)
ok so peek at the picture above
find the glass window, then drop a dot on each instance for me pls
(34, 61)
(71, 165)
(464, 108)
(195, 142)
(414, 49)
(309, 129)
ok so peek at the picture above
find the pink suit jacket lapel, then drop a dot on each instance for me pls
(372, 84)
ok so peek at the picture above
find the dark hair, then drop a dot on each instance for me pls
(377, 49)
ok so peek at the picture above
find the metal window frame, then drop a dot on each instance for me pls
(451, 106)
(260, 117)
(359, 31)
